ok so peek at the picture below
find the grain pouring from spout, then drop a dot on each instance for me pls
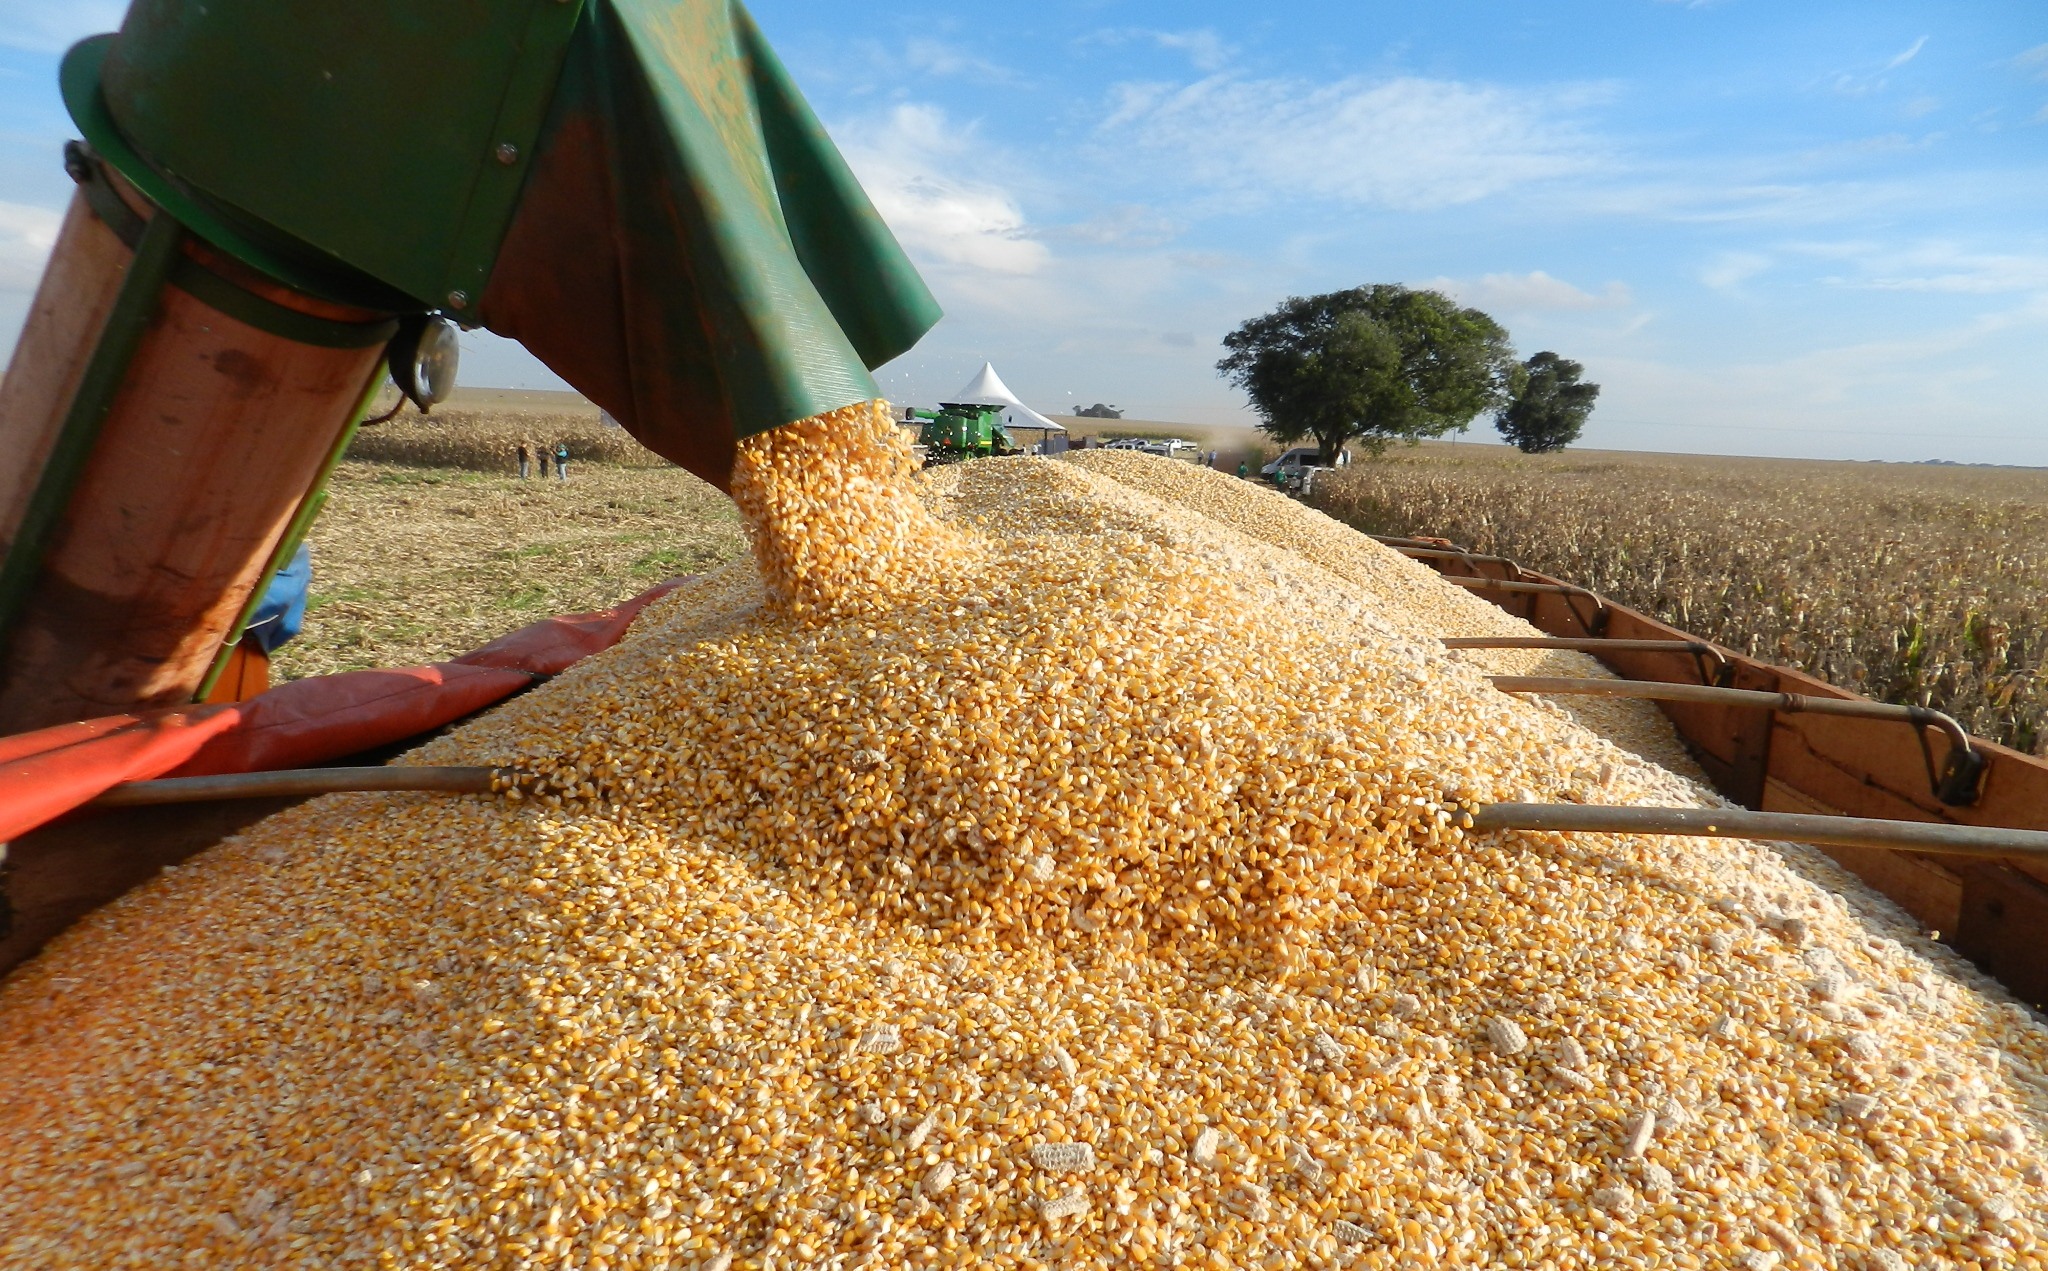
(1025, 864)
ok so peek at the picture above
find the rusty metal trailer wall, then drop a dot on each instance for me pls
(1994, 913)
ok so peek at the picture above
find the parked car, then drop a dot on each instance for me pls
(1302, 457)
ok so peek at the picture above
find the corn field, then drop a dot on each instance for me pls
(479, 441)
(1906, 583)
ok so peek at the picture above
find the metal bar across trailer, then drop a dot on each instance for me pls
(1657, 690)
(1790, 827)
(1991, 911)
(1586, 644)
(1724, 822)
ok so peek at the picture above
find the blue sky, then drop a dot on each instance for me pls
(1797, 227)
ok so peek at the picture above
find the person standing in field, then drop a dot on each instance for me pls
(561, 461)
(525, 453)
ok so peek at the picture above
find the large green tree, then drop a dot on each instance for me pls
(1549, 405)
(1375, 364)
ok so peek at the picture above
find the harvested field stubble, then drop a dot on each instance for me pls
(1906, 583)
(1027, 920)
(412, 565)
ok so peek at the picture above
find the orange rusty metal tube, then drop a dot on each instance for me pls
(216, 431)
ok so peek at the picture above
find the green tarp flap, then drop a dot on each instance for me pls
(353, 149)
(690, 250)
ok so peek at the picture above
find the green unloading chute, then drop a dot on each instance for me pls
(634, 189)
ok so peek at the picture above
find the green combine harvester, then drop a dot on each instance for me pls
(959, 431)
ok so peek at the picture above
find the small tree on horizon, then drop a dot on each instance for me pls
(1378, 364)
(1548, 408)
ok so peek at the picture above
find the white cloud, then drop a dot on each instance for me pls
(937, 57)
(1205, 49)
(1937, 267)
(1729, 270)
(1866, 82)
(1908, 55)
(938, 189)
(40, 26)
(27, 234)
(1942, 392)
(1125, 225)
(1410, 144)
(2034, 59)
(1530, 292)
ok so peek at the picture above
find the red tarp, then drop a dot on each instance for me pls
(51, 771)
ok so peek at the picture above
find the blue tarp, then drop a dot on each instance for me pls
(283, 610)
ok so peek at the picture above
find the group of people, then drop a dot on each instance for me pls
(1295, 481)
(559, 456)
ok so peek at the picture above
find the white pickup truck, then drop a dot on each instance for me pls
(1302, 457)
(1165, 447)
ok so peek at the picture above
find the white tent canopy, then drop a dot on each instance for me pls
(988, 389)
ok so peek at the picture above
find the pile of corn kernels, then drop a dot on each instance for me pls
(1014, 869)
(1418, 603)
